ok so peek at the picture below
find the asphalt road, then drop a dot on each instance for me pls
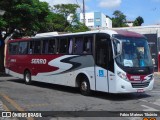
(15, 95)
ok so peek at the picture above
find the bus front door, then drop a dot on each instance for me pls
(101, 71)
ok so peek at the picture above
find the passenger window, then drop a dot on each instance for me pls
(13, 48)
(51, 46)
(87, 45)
(31, 47)
(78, 46)
(45, 47)
(63, 45)
(70, 50)
(23, 48)
(37, 47)
(83, 45)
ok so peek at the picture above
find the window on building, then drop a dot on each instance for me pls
(90, 20)
(82, 20)
(90, 26)
(98, 19)
(23, 48)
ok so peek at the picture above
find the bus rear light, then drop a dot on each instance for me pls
(122, 75)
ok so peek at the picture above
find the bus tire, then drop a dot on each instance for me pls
(85, 87)
(27, 77)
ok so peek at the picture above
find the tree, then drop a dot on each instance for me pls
(24, 15)
(119, 19)
(70, 9)
(55, 22)
(78, 27)
(66, 10)
(138, 21)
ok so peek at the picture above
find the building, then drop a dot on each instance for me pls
(94, 20)
(129, 23)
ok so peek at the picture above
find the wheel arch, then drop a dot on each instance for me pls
(27, 69)
(80, 77)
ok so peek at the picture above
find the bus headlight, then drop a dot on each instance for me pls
(122, 75)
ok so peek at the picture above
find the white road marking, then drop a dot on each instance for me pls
(157, 102)
(149, 108)
(155, 91)
(1, 106)
(143, 100)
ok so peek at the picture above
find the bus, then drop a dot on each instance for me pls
(112, 61)
(159, 62)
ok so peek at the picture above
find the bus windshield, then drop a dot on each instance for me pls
(135, 52)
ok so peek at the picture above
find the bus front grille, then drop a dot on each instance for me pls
(140, 85)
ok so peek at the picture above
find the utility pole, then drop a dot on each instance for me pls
(84, 13)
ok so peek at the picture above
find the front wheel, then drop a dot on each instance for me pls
(27, 77)
(85, 87)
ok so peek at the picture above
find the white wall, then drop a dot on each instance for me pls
(108, 22)
(89, 16)
(103, 22)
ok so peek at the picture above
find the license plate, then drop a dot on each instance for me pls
(140, 90)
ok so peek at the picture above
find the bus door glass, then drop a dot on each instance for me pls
(103, 55)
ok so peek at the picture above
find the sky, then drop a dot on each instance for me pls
(149, 10)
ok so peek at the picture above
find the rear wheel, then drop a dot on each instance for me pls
(27, 77)
(85, 87)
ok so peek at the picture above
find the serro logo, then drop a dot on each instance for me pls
(38, 61)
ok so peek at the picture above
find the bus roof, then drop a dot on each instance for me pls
(111, 32)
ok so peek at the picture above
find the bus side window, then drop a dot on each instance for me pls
(23, 48)
(31, 47)
(78, 46)
(45, 47)
(63, 45)
(70, 50)
(13, 48)
(37, 47)
(87, 45)
(51, 46)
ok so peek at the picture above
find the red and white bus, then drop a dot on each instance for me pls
(113, 61)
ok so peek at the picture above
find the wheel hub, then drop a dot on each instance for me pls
(84, 86)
